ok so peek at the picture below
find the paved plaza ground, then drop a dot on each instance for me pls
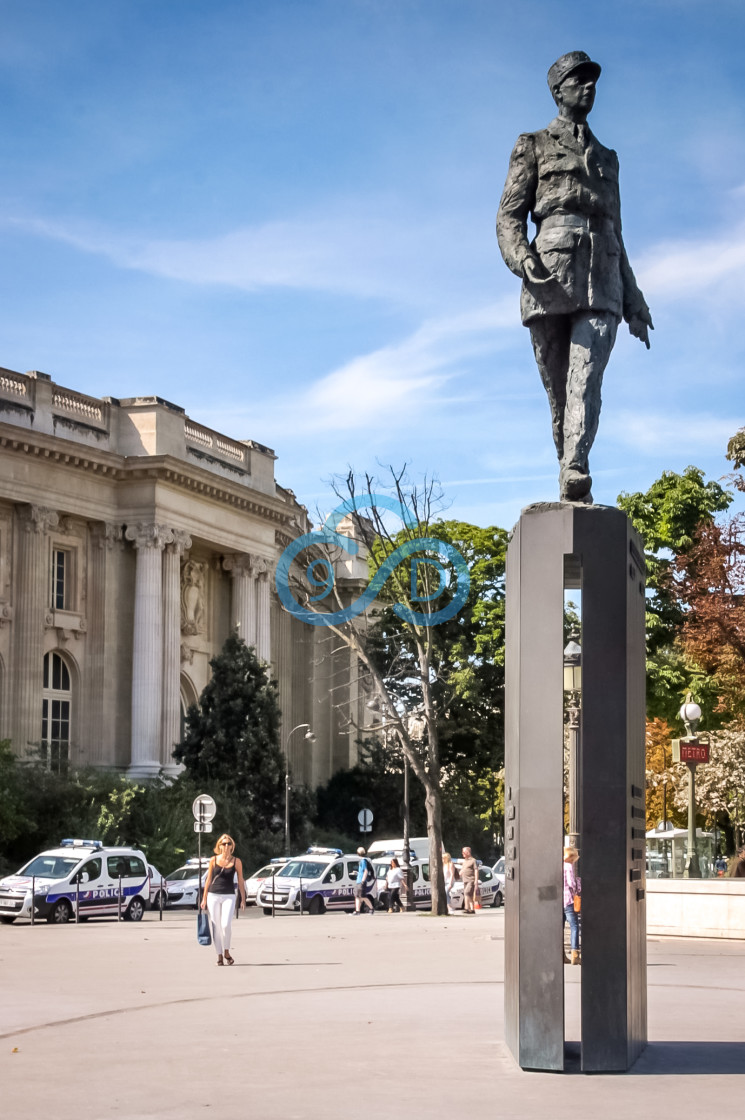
(330, 1017)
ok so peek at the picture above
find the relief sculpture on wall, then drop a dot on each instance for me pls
(192, 597)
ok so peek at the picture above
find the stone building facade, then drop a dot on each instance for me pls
(132, 539)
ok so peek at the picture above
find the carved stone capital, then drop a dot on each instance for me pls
(180, 544)
(260, 568)
(187, 654)
(37, 519)
(149, 535)
(67, 524)
(105, 535)
(240, 564)
(6, 614)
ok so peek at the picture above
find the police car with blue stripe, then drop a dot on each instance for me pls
(81, 876)
(321, 879)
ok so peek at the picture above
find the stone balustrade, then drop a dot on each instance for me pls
(87, 408)
(13, 384)
(218, 444)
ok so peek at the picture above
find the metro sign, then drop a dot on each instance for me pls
(690, 750)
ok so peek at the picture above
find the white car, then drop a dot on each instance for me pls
(420, 884)
(323, 877)
(254, 881)
(490, 891)
(499, 871)
(158, 888)
(79, 877)
(183, 883)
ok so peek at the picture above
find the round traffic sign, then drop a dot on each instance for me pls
(204, 807)
(365, 817)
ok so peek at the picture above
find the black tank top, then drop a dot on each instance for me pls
(223, 881)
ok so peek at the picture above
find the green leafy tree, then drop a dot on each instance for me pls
(375, 783)
(15, 817)
(232, 735)
(231, 750)
(420, 673)
(668, 516)
(467, 665)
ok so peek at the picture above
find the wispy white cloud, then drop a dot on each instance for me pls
(393, 385)
(366, 249)
(410, 372)
(651, 433)
(363, 249)
(688, 268)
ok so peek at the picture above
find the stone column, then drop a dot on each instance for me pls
(147, 647)
(171, 699)
(31, 604)
(263, 625)
(99, 724)
(283, 642)
(242, 604)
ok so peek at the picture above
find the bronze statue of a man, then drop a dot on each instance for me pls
(577, 280)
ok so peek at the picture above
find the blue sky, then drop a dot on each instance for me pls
(280, 215)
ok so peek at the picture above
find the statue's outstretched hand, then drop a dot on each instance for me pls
(640, 325)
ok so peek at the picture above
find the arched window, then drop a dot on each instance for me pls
(55, 713)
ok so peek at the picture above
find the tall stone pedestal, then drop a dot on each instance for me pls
(595, 550)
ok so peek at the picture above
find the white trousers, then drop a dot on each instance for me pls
(220, 908)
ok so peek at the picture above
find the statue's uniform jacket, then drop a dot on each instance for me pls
(570, 189)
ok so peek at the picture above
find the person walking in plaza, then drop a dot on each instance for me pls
(394, 880)
(572, 895)
(469, 873)
(364, 885)
(451, 875)
(218, 897)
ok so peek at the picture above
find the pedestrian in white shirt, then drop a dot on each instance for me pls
(393, 880)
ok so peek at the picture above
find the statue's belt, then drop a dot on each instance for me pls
(587, 222)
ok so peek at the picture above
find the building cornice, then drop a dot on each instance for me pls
(154, 468)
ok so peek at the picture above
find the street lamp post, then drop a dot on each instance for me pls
(310, 738)
(694, 870)
(573, 686)
(690, 751)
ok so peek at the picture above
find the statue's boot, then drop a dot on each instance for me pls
(575, 485)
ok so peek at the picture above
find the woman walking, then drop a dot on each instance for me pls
(572, 891)
(218, 897)
(393, 880)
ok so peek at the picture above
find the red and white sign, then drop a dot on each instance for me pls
(690, 750)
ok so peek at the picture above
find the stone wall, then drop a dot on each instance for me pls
(696, 908)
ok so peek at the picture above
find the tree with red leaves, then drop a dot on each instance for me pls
(709, 584)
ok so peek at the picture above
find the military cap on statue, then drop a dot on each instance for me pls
(567, 64)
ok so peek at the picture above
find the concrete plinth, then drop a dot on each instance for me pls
(593, 549)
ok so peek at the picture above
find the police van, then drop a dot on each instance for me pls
(420, 882)
(323, 877)
(80, 873)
